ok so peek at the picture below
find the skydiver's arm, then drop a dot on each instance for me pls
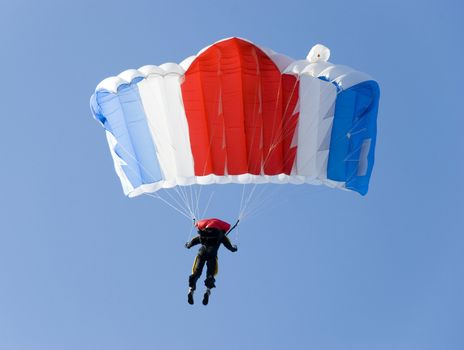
(228, 245)
(193, 242)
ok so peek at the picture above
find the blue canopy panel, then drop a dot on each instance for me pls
(352, 145)
(122, 115)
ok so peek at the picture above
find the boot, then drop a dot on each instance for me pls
(190, 296)
(206, 296)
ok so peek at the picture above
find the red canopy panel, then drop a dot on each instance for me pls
(240, 111)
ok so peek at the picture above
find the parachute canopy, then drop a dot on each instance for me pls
(240, 113)
(212, 223)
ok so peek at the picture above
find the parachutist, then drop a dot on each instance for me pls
(211, 234)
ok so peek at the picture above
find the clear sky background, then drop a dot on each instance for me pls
(83, 267)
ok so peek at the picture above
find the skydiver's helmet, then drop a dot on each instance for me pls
(210, 235)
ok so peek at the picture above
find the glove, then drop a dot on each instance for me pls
(234, 248)
(187, 245)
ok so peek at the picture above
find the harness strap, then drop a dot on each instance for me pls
(231, 229)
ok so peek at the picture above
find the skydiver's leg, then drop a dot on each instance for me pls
(211, 269)
(197, 269)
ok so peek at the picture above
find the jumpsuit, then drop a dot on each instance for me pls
(210, 240)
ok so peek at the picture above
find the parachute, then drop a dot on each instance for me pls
(240, 113)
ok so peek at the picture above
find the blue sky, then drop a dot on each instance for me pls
(83, 267)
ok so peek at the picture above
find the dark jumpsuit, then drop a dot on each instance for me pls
(210, 240)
